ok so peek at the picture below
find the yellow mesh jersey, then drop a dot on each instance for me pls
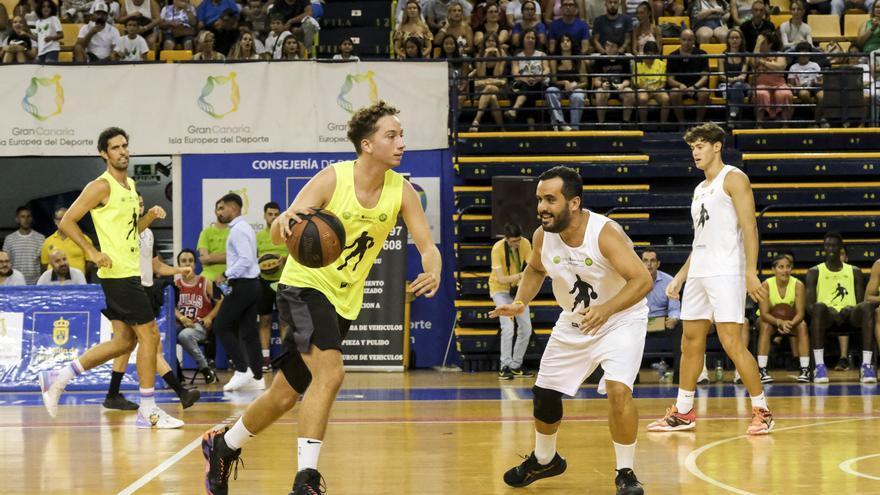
(836, 289)
(116, 224)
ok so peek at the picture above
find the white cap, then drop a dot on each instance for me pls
(100, 7)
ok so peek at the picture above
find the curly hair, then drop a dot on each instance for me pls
(709, 132)
(363, 123)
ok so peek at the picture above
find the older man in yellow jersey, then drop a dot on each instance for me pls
(319, 304)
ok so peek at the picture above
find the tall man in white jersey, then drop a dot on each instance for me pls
(601, 285)
(721, 269)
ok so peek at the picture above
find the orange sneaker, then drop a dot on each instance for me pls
(675, 421)
(762, 422)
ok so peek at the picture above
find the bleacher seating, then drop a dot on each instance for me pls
(825, 27)
(368, 23)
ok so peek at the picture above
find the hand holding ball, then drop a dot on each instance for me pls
(317, 240)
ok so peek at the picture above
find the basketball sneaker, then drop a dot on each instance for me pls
(308, 482)
(521, 372)
(220, 462)
(51, 388)
(531, 470)
(868, 375)
(210, 376)
(821, 374)
(119, 402)
(765, 375)
(843, 364)
(806, 376)
(627, 483)
(157, 419)
(675, 421)
(239, 379)
(254, 384)
(762, 422)
(189, 397)
(505, 374)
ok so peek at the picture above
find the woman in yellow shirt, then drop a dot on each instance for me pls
(775, 317)
(650, 83)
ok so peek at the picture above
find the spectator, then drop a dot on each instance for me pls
(709, 19)
(257, 14)
(552, 10)
(494, 24)
(346, 51)
(210, 13)
(509, 259)
(572, 25)
(529, 76)
(19, 46)
(805, 78)
(667, 8)
(272, 258)
(212, 245)
(298, 18)
(413, 50)
(226, 31)
(27, 9)
(592, 10)
(244, 48)
(478, 13)
(568, 80)
(275, 40)
(783, 289)
(437, 12)
(292, 49)
(647, 30)
(205, 46)
(23, 246)
(49, 32)
(613, 25)
(147, 15)
(659, 304)
(488, 77)
(773, 96)
(4, 21)
(756, 25)
(740, 12)
(400, 11)
(96, 39)
(179, 21)
(514, 10)
(795, 31)
(413, 25)
(75, 255)
(195, 312)
(733, 80)
(132, 47)
(9, 276)
(835, 301)
(245, 26)
(869, 34)
(456, 26)
(530, 21)
(688, 76)
(615, 81)
(458, 69)
(650, 83)
(112, 11)
(60, 272)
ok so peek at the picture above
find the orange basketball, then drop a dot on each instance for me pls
(783, 311)
(317, 240)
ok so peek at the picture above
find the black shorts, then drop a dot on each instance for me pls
(156, 294)
(126, 301)
(267, 298)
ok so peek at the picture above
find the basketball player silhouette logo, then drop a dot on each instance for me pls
(584, 294)
(358, 248)
(132, 225)
(840, 291)
(704, 215)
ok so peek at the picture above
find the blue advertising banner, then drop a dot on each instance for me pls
(46, 327)
(260, 178)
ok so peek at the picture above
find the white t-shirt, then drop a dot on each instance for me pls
(353, 58)
(806, 75)
(76, 278)
(274, 43)
(15, 279)
(101, 44)
(131, 50)
(49, 26)
(514, 8)
(146, 241)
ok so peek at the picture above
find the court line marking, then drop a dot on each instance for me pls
(167, 463)
(691, 461)
(846, 467)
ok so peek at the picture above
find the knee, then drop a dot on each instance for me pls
(547, 405)
(866, 309)
(619, 395)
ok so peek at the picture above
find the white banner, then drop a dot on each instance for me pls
(214, 108)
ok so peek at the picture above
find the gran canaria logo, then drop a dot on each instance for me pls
(348, 85)
(29, 104)
(208, 89)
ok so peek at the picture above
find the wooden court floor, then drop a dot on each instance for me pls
(427, 432)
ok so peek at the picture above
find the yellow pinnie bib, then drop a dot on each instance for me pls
(116, 224)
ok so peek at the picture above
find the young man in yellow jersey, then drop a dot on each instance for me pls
(834, 300)
(319, 304)
(113, 203)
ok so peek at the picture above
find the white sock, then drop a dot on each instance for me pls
(307, 453)
(805, 362)
(237, 436)
(685, 401)
(866, 357)
(762, 361)
(819, 355)
(265, 353)
(760, 401)
(625, 455)
(70, 371)
(148, 398)
(545, 447)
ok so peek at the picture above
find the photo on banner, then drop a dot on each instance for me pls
(254, 194)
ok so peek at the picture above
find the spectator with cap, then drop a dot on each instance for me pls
(60, 272)
(9, 276)
(23, 246)
(96, 39)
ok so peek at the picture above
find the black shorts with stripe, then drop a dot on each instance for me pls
(267, 298)
(126, 300)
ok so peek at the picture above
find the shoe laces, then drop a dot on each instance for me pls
(307, 484)
(226, 464)
(760, 415)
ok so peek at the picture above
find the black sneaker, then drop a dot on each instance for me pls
(267, 364)
(120, 403)
(308, 482)
(210, 376)
(627, 483)
(505, 374)
(189, 397)
(221, 462)
(530, 470)
(765, 375)
(521, 373)
(806, 375)
(843, 364)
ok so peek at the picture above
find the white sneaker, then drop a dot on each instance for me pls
(51, 388)
(254, 384)
(157, 419)
(238, 380)
(704, 377)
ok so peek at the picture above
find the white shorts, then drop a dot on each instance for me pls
(721, 298)
(571, 356)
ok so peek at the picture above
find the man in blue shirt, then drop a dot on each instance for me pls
(236, 322)
(660, 306)
(571, 25)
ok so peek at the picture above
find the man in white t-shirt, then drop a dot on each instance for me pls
(96, 39)
(132, 47)
(60, 272)
(8, 275)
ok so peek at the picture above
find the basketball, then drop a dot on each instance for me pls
(784, 312)
(317, 240)
(269, 263)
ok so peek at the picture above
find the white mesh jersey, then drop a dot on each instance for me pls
(582, 276)
(718, 239)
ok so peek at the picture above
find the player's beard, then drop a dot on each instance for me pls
(558, 223)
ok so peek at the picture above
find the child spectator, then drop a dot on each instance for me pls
(49, 33)
(132, 47)
(805, 77)
(346, 51)
(276, 37)
(412, 49)
(292, 49)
